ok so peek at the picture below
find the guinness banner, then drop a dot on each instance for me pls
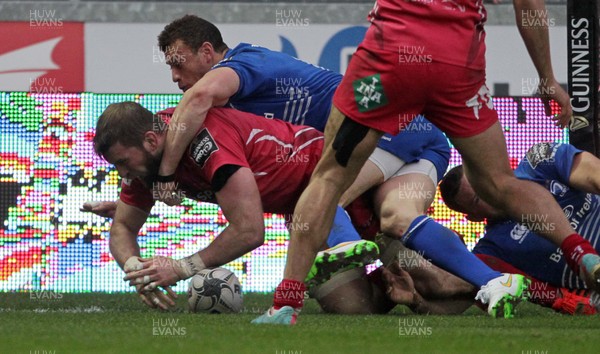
(583, 73)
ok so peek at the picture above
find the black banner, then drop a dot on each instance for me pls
(582, 34)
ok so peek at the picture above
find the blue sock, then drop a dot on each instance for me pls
(447, 251)
(342, 229)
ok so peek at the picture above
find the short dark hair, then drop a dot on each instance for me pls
(449, 186)
(193, 31)
(125, 123)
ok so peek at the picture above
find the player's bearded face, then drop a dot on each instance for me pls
(152, 165)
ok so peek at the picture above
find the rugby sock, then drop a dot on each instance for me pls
(574, 248)
(342, 229)
(289, 293)
(446, 250)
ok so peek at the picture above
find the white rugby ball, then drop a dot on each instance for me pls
(215, 290)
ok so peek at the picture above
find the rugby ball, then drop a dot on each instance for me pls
(215, 290)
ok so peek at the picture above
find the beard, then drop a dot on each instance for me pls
(152, 165)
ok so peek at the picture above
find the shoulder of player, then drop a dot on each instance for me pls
(241, 53)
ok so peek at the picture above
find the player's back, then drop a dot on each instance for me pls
(422, 31)
(276, 85)
(282, 156)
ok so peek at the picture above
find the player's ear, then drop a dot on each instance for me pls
(206, 50)
(151, 141)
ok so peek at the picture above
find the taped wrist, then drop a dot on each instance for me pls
(133, 263)
(188, 266)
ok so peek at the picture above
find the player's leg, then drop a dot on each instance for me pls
(379, 168)
(429, 280)
(347, 147)
(401, 204)
(487, 167)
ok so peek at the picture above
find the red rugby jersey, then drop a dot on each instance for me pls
(281, 156)
(445, 31)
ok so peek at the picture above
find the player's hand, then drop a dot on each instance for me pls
(104, 209)
(550, 89)
(154, 298)
(157, 298)
(154, 272)
(167, 193)
(400, 287)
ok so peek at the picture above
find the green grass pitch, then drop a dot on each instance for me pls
(119, 323)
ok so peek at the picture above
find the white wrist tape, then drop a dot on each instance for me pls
(133, 263)
(188, 266)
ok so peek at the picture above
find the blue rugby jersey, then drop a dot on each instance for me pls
(548, 164)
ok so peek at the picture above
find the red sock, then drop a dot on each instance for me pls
(575, 247)
(289, 293)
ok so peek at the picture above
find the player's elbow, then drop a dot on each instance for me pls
(254, 237)
(258, 238)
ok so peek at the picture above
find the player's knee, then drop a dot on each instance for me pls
(396, 223)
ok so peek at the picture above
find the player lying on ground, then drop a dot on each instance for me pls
(253, 79)
(409, 279)
(384, 86)
(572, 177)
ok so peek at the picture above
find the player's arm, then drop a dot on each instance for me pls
(240, 202)
(531, 19)
(127, 222)
(214, 89)
(585, 173)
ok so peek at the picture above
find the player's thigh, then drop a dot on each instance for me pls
(348, 145)
(485, 160)
(460, 103)
(405, 196)
(369, 176)
(380, 167)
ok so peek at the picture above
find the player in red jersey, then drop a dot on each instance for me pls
(428, 57)
(246, 164)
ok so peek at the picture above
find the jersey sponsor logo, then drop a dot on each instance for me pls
(207, 196)
(519, 232)
(482, 97)
(368, 93)
(568, 210)
(202, 147)
(541, 153)
(558, 189)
